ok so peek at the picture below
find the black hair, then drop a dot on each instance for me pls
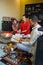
(34, 18)
(25, 15)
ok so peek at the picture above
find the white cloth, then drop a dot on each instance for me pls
(34, 35)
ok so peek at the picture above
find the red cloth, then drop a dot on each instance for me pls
(25, 26)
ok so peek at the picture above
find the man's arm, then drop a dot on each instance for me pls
(24, 31)
(34, 36)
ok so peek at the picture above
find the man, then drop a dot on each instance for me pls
(34, 35)
(24, 26)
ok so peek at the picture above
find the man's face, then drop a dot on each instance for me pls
(31, 23)
(24, 18)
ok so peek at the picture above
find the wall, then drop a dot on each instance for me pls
(14, 8)
(24, 2)
(10, 8)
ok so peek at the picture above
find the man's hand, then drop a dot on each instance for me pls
(19, 31)
(24, 31)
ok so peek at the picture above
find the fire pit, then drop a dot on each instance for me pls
(6, 35)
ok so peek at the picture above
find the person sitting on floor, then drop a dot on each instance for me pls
(34, 35)
(24, 25)
(15, 26)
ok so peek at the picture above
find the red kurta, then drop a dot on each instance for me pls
(25, 26)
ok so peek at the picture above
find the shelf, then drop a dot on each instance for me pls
(35, 9)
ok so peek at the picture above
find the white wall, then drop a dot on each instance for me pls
(10, 8)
